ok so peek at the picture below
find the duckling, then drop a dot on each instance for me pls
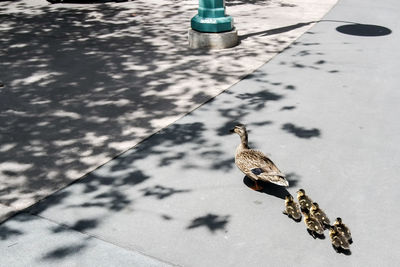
(319, 214)
(313, 225)
(339, 241)
(254, 164)
(304, 201)
(292, 208)
(343, 229)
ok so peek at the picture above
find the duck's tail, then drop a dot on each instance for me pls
(278, 178)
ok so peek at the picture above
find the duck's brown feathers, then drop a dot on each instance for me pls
(255, 165)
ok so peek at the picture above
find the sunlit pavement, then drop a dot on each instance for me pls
(84, 82)
(325, 110)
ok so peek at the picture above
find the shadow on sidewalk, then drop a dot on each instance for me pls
(86, 1)
(276, 30)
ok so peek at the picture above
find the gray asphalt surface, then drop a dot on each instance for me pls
(85, 81)
(325, 110)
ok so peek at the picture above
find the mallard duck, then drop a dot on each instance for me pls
(319, 214)
(292, 208)
(254, 164)
(304, 201)
(342, 228)
(313, 225)
(339, 241)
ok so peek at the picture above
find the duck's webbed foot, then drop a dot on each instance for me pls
(257, 187)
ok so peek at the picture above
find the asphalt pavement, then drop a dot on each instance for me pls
(325, 110)
(84, 81)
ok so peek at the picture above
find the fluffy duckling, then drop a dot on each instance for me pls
(313, 225)
(304, 201)
(339, 241)
(320, 215)
(254, 164)
(343, 229)
(292, 208)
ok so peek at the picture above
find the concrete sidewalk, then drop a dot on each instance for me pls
(86, 82)
(325, 110)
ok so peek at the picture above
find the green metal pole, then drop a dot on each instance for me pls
(211, 17)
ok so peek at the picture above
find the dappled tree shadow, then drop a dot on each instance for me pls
(83, 88)
(106, 186)
(301, 132)
(80, 225)
(86, 1)
(290, 87)
(108, 109)
(63, 252)
(166, 217)
(211, 221)
(259, 99)
(249, 102)
(222, 164)
(6, 232)
(169, 159)
(161, 192)
(84, 83)
(288, 108)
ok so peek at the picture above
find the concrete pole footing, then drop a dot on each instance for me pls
(208, 40)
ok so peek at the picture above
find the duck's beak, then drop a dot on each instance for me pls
(232, 130)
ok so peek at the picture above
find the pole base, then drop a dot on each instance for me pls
(208, 40)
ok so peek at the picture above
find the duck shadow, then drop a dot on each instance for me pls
(268, 188)
(316, 235)
(346, 252)
(291, 217)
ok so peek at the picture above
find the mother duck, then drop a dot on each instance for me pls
(254, 164)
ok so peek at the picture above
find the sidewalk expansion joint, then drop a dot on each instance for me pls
(91, 236)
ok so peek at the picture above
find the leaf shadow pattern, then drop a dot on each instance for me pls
(106, 187)
(81, 226)
(250, 102)
(86, 86)
(211, 221)
(161, 192)
(63, 252)
(115, 200)
(288, 108)
(7, 232)
(301, 132)
(85, 1)
(260, 98)
(105, 191)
